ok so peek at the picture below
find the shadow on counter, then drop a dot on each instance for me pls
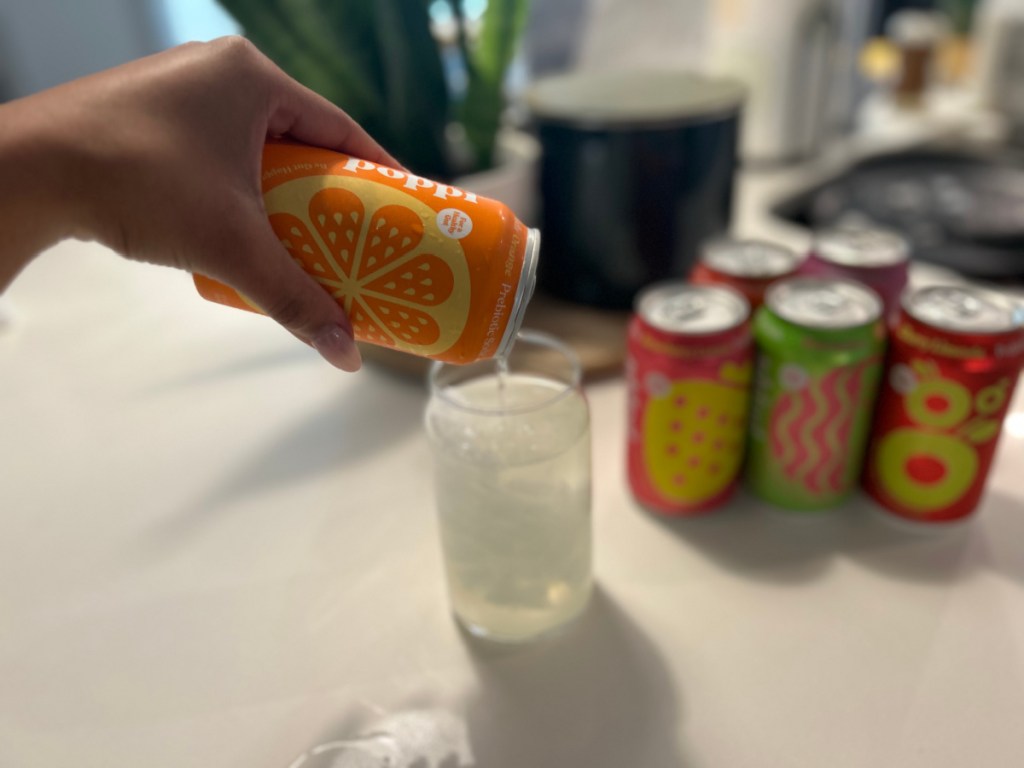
(597, 695)
(987, 544)
(374, 413)
(757, 541)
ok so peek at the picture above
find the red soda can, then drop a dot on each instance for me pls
(688, 370)
(749, 266)
(874, 256)
(954, 359)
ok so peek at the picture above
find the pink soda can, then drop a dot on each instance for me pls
(872, 255)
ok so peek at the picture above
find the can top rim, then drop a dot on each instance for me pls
(693, 310)
(862, 247)
(964, 309)
(825, 303)
(524, 292)
(749, 258)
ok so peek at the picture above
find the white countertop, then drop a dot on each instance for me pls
(217, 551)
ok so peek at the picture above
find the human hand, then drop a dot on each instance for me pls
(163, 157)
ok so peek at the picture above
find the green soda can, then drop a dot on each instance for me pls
(820, 344)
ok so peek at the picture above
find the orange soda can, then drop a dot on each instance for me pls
(418, 265)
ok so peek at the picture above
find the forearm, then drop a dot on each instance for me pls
(40, 190)
(159, 160)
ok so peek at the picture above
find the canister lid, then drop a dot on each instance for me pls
(862, 246)
(812, 302)
(678, 307)
(964, 309)
(633, 99)
(749, 258)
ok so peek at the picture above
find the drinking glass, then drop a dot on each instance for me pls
(511, 446)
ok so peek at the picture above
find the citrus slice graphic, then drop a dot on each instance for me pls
(924, 471)
(938, 403)
(402, 284)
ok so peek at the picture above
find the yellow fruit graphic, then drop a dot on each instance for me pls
(990, 399)
(693, 438)
(939, 403)
(399, 289)
(924, 471)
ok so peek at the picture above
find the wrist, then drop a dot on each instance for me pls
(42, 195)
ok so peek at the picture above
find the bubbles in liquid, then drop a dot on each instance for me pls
(513, 493)
(511, 420)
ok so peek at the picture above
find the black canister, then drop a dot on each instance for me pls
(636, 173)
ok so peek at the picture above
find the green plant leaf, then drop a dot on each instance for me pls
(376, 59)
(501, 29)
(461, 39)
(416, 101)
(282, 34)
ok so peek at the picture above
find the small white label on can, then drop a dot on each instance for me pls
(454, 223)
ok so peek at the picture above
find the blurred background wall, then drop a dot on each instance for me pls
(46, 42)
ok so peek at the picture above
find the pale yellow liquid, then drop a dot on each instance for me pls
(513, 494)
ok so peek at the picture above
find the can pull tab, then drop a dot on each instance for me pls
(957, 303)
(685, 309)
(827, 303)
(749, 260)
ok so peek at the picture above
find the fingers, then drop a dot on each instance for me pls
(310, 118)
(280, 288)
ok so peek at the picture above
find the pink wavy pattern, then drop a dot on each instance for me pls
(852, 390)
(809, 430)
(775, 442)
(840, 409)
(802, 453)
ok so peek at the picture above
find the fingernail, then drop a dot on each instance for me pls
(337, 348)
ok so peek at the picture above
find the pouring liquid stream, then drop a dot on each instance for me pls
(501, 364)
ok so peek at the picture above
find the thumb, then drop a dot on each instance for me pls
(274, 282)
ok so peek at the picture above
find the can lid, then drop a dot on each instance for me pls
(749, 258)
(964, 309)
(862, 246)
(813, 302)
(678, 307)
(633, 99)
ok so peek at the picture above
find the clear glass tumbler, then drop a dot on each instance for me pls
(511, 446)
